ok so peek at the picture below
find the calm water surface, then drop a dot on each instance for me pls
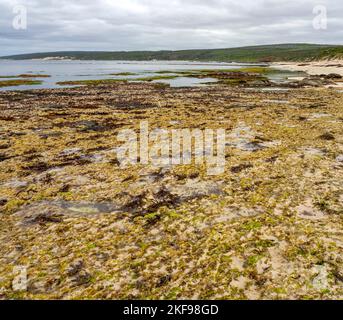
(93, 70)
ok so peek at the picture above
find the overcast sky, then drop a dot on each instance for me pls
(55, 25)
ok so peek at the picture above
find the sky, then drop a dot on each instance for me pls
(115, 25)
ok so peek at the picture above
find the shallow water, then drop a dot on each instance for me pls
(94, 70)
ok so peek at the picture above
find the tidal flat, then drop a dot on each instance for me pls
(269, 227)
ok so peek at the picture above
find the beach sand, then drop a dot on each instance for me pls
(312, 68)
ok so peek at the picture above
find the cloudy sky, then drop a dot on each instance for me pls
(55, 25)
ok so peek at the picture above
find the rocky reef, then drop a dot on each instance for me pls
(269, 227)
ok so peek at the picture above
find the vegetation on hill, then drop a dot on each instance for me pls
(266, 53)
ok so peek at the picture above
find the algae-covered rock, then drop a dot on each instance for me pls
(83, 226)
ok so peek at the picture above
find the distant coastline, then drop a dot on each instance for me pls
(252, 54)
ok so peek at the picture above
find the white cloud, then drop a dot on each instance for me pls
(158, 24)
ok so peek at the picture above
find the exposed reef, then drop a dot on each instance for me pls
(269, 227)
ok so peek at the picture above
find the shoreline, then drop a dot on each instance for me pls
(312, 68)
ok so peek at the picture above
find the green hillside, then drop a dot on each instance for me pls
(267, 53)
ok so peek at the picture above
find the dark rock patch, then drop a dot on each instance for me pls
(241, 167)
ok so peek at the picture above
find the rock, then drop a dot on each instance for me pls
(89, 125)
(16, 184)
(49, 135)
(164, 280)
(321, 281)
(69, 152)
(310, 151)
(87, 208)
(37, 287)
(44, 218)
(44, 212)
(195, 188)
(308, 212)
(3, 201)
(232, 213)
(327, 136)
(315, 116)
(84, 209)
(310, 82)
(241, 167)
(240, 283)
(333, 76)
(75, 268)
(252, 146)
(3, 157)
(82, 278)
(340, 158)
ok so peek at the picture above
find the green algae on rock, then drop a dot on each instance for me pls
(18, 82)
(268, 227)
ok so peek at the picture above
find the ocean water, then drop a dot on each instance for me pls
(93, 70)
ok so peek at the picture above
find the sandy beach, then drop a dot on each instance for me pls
(312, 68)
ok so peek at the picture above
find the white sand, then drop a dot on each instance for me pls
(312, 68)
